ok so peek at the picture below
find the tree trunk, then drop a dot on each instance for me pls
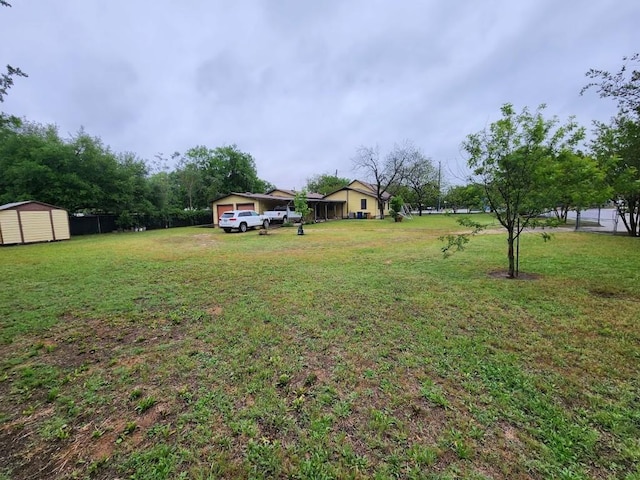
(634, 214)
(511, 255)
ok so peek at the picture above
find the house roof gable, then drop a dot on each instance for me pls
(368, 189)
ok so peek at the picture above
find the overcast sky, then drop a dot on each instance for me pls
(301, 84)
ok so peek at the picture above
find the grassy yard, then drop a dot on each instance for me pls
(355, 351)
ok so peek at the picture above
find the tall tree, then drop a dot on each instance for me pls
(383, 173)
(326, 183)
(509, 160)
(576, 182)
(224, 170)
(617, 145)
(421, 176)
(617, 148)
(190, 182)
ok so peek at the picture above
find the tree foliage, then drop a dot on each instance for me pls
(617, 144)
(469, 197)
(301, 205)
(326, 183)
(420, 176)
(575, 183)
(510, 160)
(81, 174)
(6, 79)
(623, 86)
(204, 174)
(617, 148)
(395, 206)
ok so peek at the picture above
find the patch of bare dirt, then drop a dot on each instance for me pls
(521, 275)
(23, 452)
(197, 240)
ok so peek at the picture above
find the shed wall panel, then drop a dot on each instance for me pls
(10, 227)
(61, 224)
(36, 226)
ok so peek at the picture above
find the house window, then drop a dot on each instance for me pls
(363, 204)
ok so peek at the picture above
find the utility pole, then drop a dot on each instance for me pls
(439, 179)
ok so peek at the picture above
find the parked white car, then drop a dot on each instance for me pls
(242, 220)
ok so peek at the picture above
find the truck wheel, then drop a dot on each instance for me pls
(243, 227)
(265, 224)
(284, 219)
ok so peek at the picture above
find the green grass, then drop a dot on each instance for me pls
(355, 351)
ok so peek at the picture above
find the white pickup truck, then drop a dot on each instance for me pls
(282, 214)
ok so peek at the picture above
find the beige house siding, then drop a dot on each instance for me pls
(353, 200)
(9, 228)
(359, 185)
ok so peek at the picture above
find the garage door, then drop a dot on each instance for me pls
(221, 210)
(246, 206)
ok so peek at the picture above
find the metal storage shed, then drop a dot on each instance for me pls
(29, 222)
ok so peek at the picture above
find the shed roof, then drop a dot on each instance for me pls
(9, 206)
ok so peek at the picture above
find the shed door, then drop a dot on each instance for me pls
(60, 224)
(36, 226)
(9, 227)
(246, 206)
(221, 210)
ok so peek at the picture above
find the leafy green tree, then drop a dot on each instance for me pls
(617, 144)
(326, 183)
(223, 169)
(131, 196)
(421, 177)
(38, 164)
(575, 182)
(239, 172)
(617, 148)
(395, 207)
(301, 206)
(509, 160)
(464, 197)
(190, 182)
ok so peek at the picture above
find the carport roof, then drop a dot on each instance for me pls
(265, 196)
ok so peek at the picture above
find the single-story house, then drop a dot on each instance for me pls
(321, 208)
(356, 200)
(31, 221)
(360, 200)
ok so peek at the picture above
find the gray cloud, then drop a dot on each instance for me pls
(300, 85)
